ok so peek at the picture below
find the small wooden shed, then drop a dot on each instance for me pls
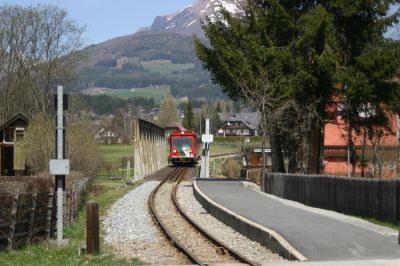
(12, 158)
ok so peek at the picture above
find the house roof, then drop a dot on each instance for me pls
(14, 118)
(250, 120)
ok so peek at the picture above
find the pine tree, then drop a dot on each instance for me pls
(287, 58)
(368, 64)
(278, 56)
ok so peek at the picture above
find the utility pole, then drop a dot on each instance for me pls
(207, 154)
(60, 166)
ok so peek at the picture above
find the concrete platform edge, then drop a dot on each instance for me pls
(265, 236)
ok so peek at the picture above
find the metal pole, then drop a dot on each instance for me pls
(207, 168)
(60, 149)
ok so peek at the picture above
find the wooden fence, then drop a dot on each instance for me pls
(27, 218)
(373, 198)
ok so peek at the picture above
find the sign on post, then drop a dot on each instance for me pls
(59, 167)
(207, 138)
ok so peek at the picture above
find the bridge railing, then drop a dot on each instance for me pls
(150, 148)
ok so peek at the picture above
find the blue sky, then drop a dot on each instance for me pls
(105, 19)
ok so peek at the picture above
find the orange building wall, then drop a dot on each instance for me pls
(336, 137)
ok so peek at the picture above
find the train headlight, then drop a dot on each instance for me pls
(174, 151)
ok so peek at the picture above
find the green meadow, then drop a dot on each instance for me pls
(158, 93)
(165, 67)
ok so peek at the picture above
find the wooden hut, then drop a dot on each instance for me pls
(12, 158)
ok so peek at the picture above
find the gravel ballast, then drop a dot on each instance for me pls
(250, 249)
(131, 233)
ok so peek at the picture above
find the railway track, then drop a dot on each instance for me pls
(196, 244)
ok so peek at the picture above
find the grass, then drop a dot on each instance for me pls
(223, 148)
(215, 167)
(382, 223)
(237, 139)
(165, 67)
(105, 192)
(157, 93)
(112, 154)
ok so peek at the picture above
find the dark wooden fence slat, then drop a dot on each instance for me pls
(49, 214)
(13, 221)
(32, 218)
(379, 199)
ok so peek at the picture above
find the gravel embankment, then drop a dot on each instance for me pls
(131, 233)
(250, 249)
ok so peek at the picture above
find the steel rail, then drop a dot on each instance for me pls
(225, 154)
(163, 227)
(215, 241)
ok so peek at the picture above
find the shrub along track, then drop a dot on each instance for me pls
(199, 247)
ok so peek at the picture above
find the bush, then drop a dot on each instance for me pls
(231, 168)
(39, 142)
(39, 145)
(82, 150)
(20, 185)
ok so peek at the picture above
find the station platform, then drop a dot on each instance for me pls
(319, 235)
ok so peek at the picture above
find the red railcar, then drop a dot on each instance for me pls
(183, 147)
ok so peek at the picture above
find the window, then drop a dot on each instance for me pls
(19, 135)
(9, 134)
(180, 142)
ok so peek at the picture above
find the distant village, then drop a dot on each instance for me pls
(111, 130)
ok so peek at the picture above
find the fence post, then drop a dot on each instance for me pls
(67, 207)
(92, 227)
(32, 219)
(13, 221)
(75, 198)
(49, 213)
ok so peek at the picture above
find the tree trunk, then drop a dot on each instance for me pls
(352, 151)
(292, 163)
(321, 146)
(278, 165)
(264, 136)
(316, 142)
(363, 152)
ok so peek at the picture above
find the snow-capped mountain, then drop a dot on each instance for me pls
(187, 20)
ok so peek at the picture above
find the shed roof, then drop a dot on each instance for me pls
(14, 118)
(175, 125)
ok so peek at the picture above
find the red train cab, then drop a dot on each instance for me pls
(183, 147)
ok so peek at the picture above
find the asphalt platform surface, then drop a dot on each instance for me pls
(319, 236)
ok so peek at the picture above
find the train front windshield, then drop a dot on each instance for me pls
(182, 142)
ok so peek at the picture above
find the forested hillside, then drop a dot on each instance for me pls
(147, 59)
